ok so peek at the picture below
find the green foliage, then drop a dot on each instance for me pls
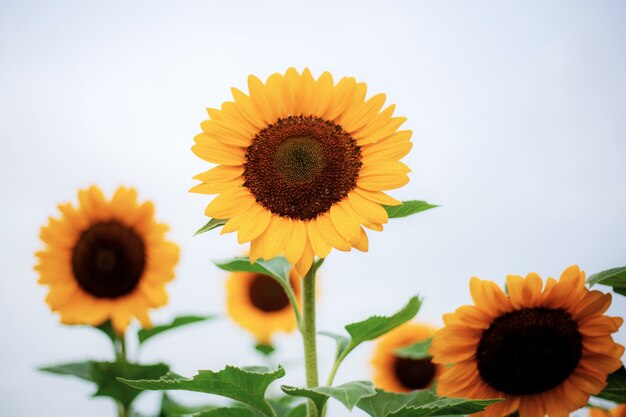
(408, 208)
(419, 404)
(377, 326)
(342, 341)
(616, 387)
(615, 278)
(418, 350)
(145, 334)
(226, 412)
(348, 394)
(277, 268)
(212, 224)
(297, 411)
(172, 408)
(105, 374)
(245, 385)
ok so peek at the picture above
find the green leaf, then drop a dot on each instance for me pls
(145, 334)
(212, 224)
(615, 389)
(408, 208)
(318, 398)
(172, 408)
(245, 385)
(377, 326)
(297, 411)
(284, 404)
(383, 403)
(419, 404)
(105, 374)
(348, 394)
(418, 350)
(277, 267)
(342, 341)
(615, 278)
(80, 370)
(264, 349)
(444, 407)
(226, 412)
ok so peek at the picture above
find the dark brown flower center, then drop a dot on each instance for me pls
(529, 351)
(300, 166)
(266, 294)
(108, 260)
(414, 373)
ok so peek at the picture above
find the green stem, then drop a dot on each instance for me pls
(292, 299)
(120, 355)
(333, 371)
(309, 334)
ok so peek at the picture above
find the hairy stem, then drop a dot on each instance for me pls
(309, 334)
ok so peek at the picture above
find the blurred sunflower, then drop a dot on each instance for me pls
(619, 411)
(260, 305)
(397, 374)
(543, 351)
(302, 165)
(106, 260)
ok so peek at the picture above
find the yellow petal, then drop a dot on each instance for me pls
(378, 197)
(255, 222)
(330, 234)
(295, 245)
(346, 225)
(306, 260)
(218, 153)
(275, 237)
(318, 243)
(369, 210)
(229, 204)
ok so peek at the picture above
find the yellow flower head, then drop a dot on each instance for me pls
(302, 165)
(397, 374)
(106, 260)
(545, 350)
(260, 305)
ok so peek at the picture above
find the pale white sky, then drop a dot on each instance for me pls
(519, 120)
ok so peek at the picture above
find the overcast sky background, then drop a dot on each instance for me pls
(519, 117)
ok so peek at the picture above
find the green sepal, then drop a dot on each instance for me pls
(615, 389)
(211, 224)
(408, 208)
(264, 349)
(145, 334)
(418, 350)
(615, 277)
(277, 268)
(105, 375)
(108, 330)
(247, 385)
(419, 404)
(349, 394)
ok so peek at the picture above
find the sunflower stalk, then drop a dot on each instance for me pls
(119, 345)
(309, 334)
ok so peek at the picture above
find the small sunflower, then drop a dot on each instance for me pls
(543, 351)
(397, 374)
(619, 411)
(260, 305)
(106, 260)
(302, 165)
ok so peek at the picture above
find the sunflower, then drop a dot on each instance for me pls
(302, 165)
(106, 260)
(619, 411)
(397, 374)
(544, 350)
(260, 305)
